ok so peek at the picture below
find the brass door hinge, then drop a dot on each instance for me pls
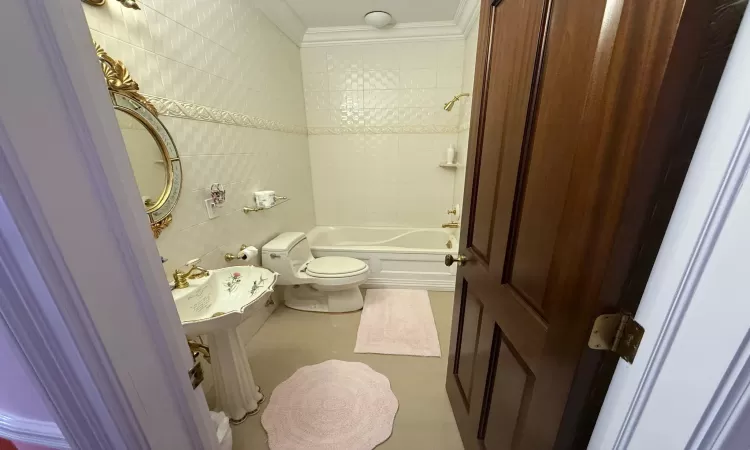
(618, 333)
(196, 372)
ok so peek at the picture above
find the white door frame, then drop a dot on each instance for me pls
(82, 290)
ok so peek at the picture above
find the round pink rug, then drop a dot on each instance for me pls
(332, 405)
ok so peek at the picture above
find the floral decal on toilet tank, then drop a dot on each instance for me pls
(232, 283)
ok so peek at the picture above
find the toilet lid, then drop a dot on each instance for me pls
(335, 267)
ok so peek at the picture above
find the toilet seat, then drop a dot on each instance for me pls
(335, 267)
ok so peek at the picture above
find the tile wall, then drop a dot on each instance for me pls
(374, 114)
(465, 111)
(226, 55)
(219, 56)
(378, 131)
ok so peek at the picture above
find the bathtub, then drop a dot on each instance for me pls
(406, 258)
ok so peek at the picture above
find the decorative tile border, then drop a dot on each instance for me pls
(186, 110)
(406, 129)
(464, 127)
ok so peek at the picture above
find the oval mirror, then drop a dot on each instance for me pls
(151, 150)
(146, 156)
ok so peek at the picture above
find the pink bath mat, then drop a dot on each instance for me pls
(397, 322)
(334, 405)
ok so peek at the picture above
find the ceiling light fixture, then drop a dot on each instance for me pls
(378, 19)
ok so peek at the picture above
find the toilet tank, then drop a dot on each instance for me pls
(285, 254)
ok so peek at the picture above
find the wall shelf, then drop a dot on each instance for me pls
(448, 165)
(279, 200)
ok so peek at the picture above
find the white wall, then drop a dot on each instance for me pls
(378, 131)
(225, 56)
(470, 55)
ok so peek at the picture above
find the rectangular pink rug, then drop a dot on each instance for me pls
(397, 322)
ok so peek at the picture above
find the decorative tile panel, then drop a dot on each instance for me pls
(379, 99)
(185, 110)
(346, 81)
(377, 140)
(382, 88)
(385, 117)
(381, 79)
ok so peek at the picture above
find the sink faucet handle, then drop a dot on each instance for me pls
(195, 271)
(180, 280)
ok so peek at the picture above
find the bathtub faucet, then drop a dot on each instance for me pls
(451, 224)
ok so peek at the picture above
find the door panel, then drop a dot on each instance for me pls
(507, 407)
(464, 365)
(504, 337)
(513, 33)
(564, 94)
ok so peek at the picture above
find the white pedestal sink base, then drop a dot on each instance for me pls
(236, 392)
(308, 298)
(216, 306)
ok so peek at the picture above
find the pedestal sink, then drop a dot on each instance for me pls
(216, 305)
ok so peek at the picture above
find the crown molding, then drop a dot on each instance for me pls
(460, 9)
(283, 16)
(466, 13)
(362, 34)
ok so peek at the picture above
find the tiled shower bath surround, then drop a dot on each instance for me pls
(465, 112)
(378, 131)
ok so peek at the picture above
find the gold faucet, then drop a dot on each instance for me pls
(200, 348)
(181, 278)
(200, 272)
(453, 222)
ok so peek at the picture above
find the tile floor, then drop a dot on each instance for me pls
(292, 339)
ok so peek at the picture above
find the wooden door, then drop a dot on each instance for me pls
(584, 118)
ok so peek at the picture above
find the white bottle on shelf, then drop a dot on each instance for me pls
(450, 155)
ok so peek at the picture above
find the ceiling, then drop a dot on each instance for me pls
(340, 13)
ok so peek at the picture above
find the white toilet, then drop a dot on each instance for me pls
(327, 284)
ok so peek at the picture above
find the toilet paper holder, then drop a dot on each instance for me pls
(230, 257)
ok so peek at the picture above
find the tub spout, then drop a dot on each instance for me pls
(451, 225)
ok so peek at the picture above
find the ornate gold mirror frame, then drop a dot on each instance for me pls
(123, 91)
